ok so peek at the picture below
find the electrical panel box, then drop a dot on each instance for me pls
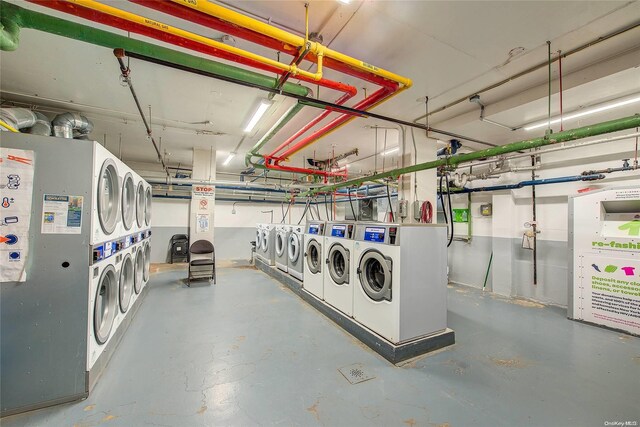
(403, 207)
(486, 209)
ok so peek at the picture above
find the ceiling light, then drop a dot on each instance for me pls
(257, 115)
(389, 151)
(344, 1)
(229, 158)
(585, 112)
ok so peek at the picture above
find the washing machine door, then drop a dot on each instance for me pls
(105, 305)
(139, 271)
(147, 206)
(258, 239)
(126, 283)
(140, 203)
(280, 243)
(374, 272)
(314, 261)
(338, 264)
(265, 241)
(108, 196)
(147, 261)
(294, 247)
(128, 201)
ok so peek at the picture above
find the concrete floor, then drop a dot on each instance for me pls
(248, 351)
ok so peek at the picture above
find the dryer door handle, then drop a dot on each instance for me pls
(358, 270)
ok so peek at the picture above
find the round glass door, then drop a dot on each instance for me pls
(313, 256)
(147, 261)
(280, 244)
(374, 271)
(147, 206)
(139, 271)
(258, 239)
(105, 305)
(338, 261)
(265, 240)
(126, 283)
(108, 196)
(294, 247)
(128, 201)
(140, 203)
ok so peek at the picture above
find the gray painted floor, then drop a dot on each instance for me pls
(247, 351)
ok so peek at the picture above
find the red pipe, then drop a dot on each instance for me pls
(212, 22)
(368, 102)
(157, 34)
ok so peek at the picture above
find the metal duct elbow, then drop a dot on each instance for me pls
(19, 118)
(65, 124)
(42, 126)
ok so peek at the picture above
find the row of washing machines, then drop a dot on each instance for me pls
(120, 251)
(390, 278)
(86, 270)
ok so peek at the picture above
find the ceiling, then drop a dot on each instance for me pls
(449, 49)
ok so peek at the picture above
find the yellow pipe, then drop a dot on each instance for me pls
(8, 127)
(235, 18)
(293, 69)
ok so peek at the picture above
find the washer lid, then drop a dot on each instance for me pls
(126, 283)
(338, 264)
(105, 305)
(374, 272)
(314, 256)
(128, 201)
(294, 247)
(108, 196)
(280, 243)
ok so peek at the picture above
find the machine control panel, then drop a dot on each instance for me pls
(393, 232)
(108, 249)
(315, 228)
(374, 234)
(344, 231)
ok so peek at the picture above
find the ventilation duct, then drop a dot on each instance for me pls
(18, 118)
(70, 125)
(42, 126)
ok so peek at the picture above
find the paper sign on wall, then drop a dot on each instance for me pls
(16, 193)
(61, 214)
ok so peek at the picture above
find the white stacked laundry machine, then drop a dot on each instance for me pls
(89, 230)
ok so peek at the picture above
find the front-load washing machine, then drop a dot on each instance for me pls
(314, 269)
(267, 251)
(401, 287)
(258, 240)
(282, 239)
(138, 270)
(339, 259)
(103, 300)
(295, 252)
(147, 261)
(126, 272)
(106, 193)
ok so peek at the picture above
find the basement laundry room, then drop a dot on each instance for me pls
(319, 213)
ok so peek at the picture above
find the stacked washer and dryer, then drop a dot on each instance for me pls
(91, 273)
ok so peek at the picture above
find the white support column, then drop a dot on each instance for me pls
(201, 215)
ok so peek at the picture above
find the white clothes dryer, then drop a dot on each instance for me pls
(339, 260)
(106, 193)
(314, 268)
(401, 287)
(295, 252)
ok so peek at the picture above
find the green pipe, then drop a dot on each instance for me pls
(568, 135)
(486, 276)
(290, 114)
(15, 17)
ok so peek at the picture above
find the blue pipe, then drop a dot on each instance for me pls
(225, 199)
(592, 177)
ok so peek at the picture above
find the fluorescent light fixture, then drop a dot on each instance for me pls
(390, 151)
(257, 115)
(344, 1)
(229, 158)
(585, 112)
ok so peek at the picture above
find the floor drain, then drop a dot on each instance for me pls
(356, 373)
